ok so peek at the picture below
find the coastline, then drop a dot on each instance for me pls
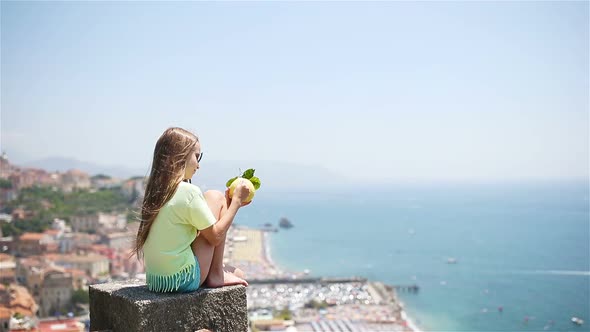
(403, 320)
(266, 250)
(410, 322)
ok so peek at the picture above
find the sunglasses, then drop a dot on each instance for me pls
(199, 157)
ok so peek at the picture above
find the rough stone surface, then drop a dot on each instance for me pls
(129, 306)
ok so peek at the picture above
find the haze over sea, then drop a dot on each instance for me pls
(524, 247)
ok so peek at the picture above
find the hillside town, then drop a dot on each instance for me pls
(57, 236)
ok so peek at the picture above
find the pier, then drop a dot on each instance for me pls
(306, 280)
(406, 288)
(401, 288)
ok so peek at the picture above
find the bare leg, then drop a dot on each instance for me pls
(217, 276)
(204, 252)
(210, 257)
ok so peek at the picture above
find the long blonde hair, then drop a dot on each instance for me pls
(168, 166)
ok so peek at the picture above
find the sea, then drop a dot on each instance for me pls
(487, 257)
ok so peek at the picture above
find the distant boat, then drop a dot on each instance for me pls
(451, 260)
(285, 223)
(577, 321)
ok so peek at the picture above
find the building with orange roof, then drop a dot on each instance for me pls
(16, 299)
(50, 256)
(32, 236)
(21, 180)
(46, 281)
(54, 233)
(20, 214)
(30, 272)
(74, 179)
(5, 315)
(29, 244)
(7, 276)
(26, 266)
(93, 264)
(52, 247)
(100, 249)
(22, 301)
(28, 177)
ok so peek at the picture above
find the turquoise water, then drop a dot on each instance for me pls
(525, 248)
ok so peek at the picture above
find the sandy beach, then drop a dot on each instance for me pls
(248, 249)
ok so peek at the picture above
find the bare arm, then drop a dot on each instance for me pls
(216, 233)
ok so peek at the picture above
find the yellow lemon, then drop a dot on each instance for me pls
(248, 184)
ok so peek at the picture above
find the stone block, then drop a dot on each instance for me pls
(129, 306)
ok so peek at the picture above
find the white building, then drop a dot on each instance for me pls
(56, 293)
(95, 222)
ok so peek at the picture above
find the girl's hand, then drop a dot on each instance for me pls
(236, 196)
(241, 193)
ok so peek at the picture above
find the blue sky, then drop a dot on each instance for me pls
(375, 91)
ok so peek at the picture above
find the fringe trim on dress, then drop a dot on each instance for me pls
(170, 283)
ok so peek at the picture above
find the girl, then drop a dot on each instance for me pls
(182, 232)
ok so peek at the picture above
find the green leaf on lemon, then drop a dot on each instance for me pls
(248, 174)
(230, 181)
(255, 181)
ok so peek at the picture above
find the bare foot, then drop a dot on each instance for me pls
(232, 269)
(239, 273)
(228, 280)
